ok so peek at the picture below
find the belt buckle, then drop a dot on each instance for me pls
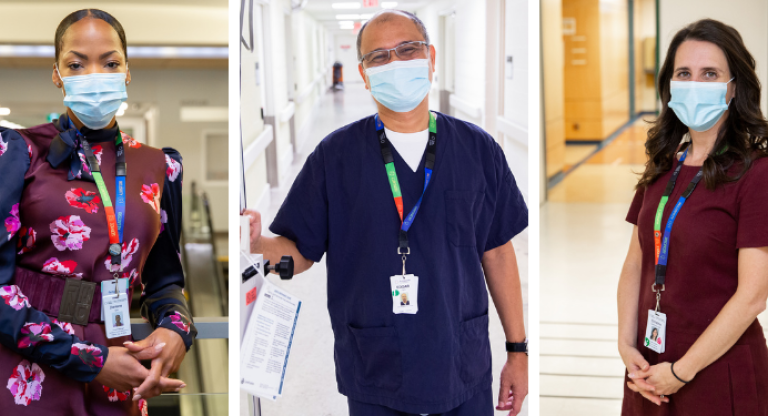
(76, 301)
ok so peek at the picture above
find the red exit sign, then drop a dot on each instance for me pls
(370, 3)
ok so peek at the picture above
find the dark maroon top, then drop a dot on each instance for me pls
(702, 275)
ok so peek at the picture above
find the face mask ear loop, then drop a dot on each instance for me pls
(729, 102)
(56, 65)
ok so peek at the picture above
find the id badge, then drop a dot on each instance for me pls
(656, 331)
(115, 309)
(108, 288)
(405, 293)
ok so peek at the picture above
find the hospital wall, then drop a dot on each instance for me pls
(644, 25)
(36, 22)
(165, 90)
(552, 76)
(596, 70)
(293, 52)
(515, 97)
(749, 17)
(473, 72)
(311, 55)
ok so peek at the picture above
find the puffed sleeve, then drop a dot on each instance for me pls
(23, 329)
(510, 215)
(163, 303)
(303, 217)
(752, 228)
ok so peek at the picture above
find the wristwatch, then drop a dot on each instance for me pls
(518, 346)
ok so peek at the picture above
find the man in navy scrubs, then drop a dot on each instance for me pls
(417, 202)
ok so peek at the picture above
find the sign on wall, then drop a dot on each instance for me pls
(370, 3)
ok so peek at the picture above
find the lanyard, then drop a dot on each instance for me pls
(389, 164)
(662, 243)
(115, 217)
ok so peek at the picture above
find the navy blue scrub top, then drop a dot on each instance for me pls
(341, 204)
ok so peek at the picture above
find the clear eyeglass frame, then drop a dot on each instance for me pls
(405, 51)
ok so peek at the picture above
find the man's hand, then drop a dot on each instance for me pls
(255, 237)
(122, 370)
(165, 363)
(514, 383)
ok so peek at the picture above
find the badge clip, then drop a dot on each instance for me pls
(658, 295)
(117, 287)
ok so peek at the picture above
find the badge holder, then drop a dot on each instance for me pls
(405, 289)
(656, 328)
(114, 307)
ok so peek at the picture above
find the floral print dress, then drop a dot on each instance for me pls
(55, 229)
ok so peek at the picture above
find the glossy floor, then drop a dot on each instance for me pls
(310, 384)
(585, 238)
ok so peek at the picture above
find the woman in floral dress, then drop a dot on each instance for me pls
(57, 229)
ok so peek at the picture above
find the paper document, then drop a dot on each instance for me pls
(269, 329)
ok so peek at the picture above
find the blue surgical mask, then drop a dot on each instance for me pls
(698, 105)
(95, 98)
(400, 85)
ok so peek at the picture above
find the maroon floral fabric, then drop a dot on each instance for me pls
(56, 229)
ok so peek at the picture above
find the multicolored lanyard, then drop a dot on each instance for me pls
(115, 217)
(662, 243)
(389, 164)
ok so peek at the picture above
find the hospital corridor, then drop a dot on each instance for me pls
(600, 62)
(310, 49)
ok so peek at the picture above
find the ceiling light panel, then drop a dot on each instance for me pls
(346, 5)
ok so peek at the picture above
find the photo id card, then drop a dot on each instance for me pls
(115, 309)
(405, 293)
(656, 331)
(108, 288)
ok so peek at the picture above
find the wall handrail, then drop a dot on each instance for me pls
(512, 130)
(207, 327)
(310, 87)
(257, 147)
(287, 112)
(464, 106)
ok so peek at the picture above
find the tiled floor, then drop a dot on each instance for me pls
(310, 385)
(585, 238)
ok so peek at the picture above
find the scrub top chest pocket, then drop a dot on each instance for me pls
(462, 209)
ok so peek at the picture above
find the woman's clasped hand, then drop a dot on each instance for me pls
(654, 382)
(123, 371)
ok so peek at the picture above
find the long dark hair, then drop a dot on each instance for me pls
(745, 131)
(79, 15)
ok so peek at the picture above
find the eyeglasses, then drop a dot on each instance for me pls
(405, 51)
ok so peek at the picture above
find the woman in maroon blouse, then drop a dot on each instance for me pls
(56, 184)
(705, 270)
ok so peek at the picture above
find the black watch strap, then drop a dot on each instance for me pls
(518, 347)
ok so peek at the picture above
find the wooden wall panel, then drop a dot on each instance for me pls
(553, 79)
(596, 68)
(555, 149)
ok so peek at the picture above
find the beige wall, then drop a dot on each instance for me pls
(146, 24)
(749, 17)
(645, 55)
(307, 47)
